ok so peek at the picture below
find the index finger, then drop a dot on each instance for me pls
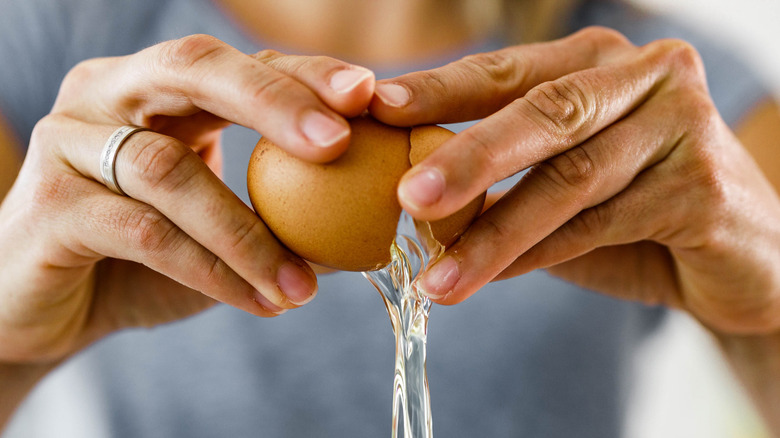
(199, 72)
(479, 85)
(167, 175)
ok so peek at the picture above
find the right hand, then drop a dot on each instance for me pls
(79, 261)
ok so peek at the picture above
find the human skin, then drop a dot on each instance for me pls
(629, 159)
(636, 189)
(621, 70)
(86, 262)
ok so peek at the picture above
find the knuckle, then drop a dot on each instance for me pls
(147, 230)
(563, 106)
(705, 184)
(703, 117)
(164, 164)
(267, 55)
(498, 67)
(571, 169)
(602, 42)
(52, 182)
(81, 73)
(291, 63)
(319, 62)
(84, 71)
(44, 131)
(433, 81)
(680, 56)
(186, 52)
(604, 36)
(245, 235)
(684, 54)
(698, 117)
(282, 62)
(77, 79)
(591, 222)
(497, 230)
(272, 88)
(216, 269)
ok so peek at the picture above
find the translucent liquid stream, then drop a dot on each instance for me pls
(412, 251)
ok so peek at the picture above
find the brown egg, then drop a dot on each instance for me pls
(344, 214)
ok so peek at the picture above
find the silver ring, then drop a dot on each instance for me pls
(108, 156)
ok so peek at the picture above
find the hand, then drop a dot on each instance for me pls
(636, 188)
(80, 261)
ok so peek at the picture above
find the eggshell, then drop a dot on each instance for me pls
(423, 141)
(342, 214)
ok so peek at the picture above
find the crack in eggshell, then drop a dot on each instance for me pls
(344, 214)
(423, 141)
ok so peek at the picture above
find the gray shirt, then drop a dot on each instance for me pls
(532, 357)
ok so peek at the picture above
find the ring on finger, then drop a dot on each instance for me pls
(109, 153)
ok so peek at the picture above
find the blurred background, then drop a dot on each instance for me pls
(686, 389)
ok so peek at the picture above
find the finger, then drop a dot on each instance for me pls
(548, 120)
(185, 76)
(479, 85)
(145, 298)
(609, 247)
(167, 175)
(344, 87)
(98, 223)
(643, 272)
(549, 196)
(632, 216)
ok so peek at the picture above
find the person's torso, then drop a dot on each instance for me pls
(532, 356)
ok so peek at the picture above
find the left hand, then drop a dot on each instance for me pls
(637, 188)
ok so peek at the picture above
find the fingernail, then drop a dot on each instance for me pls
(297, 283)
(322, 130)
(266, 304)
(344, 81)
(441, 279)
(424, 188)
(393, 94)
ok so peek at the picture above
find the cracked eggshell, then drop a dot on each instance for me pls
(344, 214)
(424, 140)
(341, 214)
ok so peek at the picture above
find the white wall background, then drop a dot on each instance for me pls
(686, 389)
(751, 25)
